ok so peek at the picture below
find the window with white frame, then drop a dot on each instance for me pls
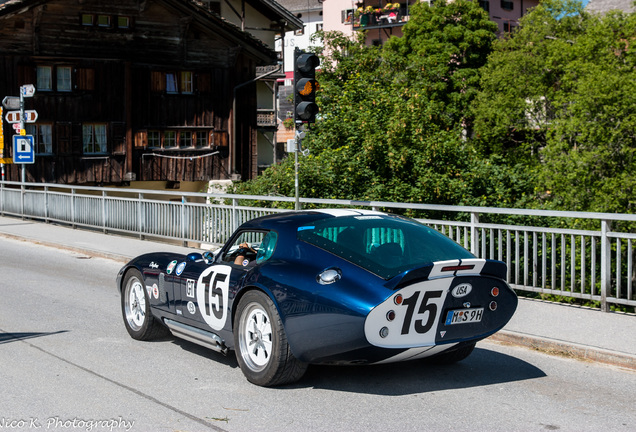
(187, 82)
(174, 140)
(171, 83)
(170, 139)
(104, 20)
(185, 139)
(63, 75)
(94, 138)
(44, 78)
(123, 22)
(88, 19)
(42, 137)
(154, 139)
(201, 139)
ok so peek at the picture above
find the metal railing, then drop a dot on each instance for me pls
(595, 265)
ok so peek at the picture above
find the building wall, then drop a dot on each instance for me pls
(126, 80)
(505, 13)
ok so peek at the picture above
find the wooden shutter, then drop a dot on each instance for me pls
(118, 137)
(157, 81)
(63, 137)
(141, 139)
(204, 82)
(85, 78)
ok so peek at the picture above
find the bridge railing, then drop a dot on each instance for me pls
(592, 264)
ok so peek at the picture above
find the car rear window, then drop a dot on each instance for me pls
(383, 245)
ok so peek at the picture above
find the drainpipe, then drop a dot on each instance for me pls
(232, 162)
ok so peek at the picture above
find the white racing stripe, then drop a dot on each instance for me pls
(345, 212)
(416, 353)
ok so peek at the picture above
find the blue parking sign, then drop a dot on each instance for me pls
(23, 150)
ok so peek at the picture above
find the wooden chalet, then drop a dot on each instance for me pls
(146, 90)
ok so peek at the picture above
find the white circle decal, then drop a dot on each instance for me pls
(213, 287)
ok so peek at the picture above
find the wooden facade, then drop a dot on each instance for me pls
(130, 90)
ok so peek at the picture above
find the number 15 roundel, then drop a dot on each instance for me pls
(212, 295)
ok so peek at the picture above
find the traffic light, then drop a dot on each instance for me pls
(305, 108)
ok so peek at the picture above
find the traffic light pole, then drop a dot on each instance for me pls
(298, 146)
(296, 185)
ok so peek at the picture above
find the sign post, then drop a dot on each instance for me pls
(1, 145)
(23, 146)
(23, 151)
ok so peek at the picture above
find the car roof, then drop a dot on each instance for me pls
(293, 219)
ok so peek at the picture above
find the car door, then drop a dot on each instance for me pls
(206, 297)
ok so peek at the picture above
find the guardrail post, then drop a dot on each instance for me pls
(104, 230)
(606, 263)
(73, 207)
(474, 233)
(234, 216)
(46, 204)
(140, 215)
(184, 243)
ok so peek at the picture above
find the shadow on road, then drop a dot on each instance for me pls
(483, 367)
(13, 337)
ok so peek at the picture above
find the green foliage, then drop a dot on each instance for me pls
(446, 114)
(393, 118)
(559, 97)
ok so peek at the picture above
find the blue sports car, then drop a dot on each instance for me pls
(321, 286)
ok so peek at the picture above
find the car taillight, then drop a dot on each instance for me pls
(398, 299)
(494, 292)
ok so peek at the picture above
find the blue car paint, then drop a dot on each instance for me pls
(323, 323)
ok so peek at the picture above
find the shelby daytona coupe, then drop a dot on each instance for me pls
(324, 286)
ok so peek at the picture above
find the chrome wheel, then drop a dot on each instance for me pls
(135, 304)
(136, 308)
(255, 337)
(262, 350)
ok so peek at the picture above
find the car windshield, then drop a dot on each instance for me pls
(383, 245)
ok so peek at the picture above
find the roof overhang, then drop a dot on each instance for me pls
(277, 13)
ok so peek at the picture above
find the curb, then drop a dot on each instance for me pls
(76, 249)
(567, 349)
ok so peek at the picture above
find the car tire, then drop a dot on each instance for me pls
(135, 307)
(262, 350)
(454, 355)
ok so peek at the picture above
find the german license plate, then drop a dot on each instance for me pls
(464, 316)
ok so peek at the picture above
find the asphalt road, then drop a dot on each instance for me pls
(67, 363)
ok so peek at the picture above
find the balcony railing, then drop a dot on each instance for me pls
(367, 15)
(266, 118)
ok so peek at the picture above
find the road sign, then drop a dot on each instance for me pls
(6, 161)
(27, 90)
(23, 150)
(30, 116)
(11, 102)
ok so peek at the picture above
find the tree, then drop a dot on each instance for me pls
(558, 98)
(393, 118)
